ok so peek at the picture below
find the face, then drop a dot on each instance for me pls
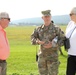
(47, 19)
(72, 16)
(4, 22)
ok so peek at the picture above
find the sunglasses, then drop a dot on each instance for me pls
(6, 18)
(71, 14)
(9, 19)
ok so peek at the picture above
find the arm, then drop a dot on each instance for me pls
(35, 38)
(61, 36)
(4, 47)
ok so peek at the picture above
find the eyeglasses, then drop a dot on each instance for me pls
(6, 18)
(71, 14)
(9, 19)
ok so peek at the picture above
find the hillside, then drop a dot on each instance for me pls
(59, 19)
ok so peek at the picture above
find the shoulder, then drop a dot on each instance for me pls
(70, 22)
(38, 28)
(69, 25)
(56, 27)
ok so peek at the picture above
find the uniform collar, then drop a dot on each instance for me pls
(47, 26)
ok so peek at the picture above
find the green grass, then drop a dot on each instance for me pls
(22, 54)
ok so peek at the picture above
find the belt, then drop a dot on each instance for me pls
(2, 60)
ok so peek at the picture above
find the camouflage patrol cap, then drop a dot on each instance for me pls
(46, 13)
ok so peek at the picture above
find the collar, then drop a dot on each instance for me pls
(47, 26)
(1, 27)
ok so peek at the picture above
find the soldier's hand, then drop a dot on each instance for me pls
(49, 45)
(40, 42)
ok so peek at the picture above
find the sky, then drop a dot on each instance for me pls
(20, 9)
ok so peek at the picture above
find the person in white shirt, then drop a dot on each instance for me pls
(71, 32)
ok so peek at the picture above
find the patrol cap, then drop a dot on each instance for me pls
(73, 11)
(4, 15)
(46, 12)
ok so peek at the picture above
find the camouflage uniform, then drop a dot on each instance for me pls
(48, 57)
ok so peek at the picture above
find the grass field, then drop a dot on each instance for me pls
(22, 53)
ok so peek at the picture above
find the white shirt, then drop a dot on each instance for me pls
(69, 30)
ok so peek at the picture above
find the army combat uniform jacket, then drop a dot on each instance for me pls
(48, 33)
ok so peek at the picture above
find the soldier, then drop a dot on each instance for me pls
(49, 37)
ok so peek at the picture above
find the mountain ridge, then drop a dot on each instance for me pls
(59, 19)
